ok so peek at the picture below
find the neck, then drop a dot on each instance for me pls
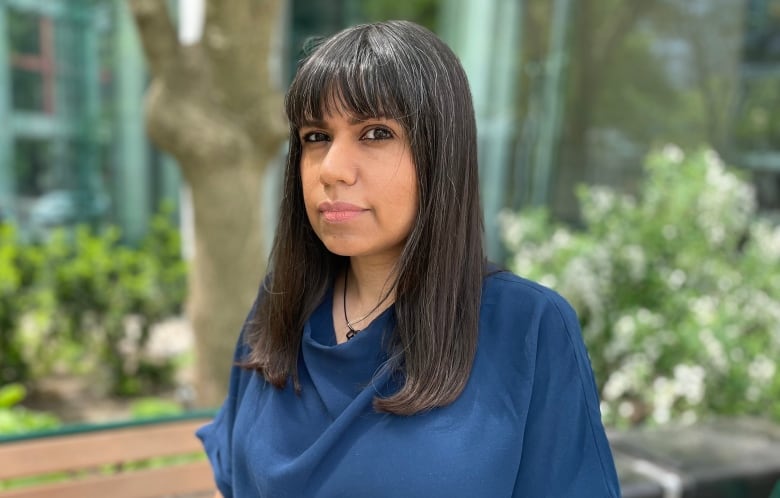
(369, 282)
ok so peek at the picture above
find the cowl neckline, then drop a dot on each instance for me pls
(340, 372)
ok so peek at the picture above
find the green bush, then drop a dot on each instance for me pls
(677, 290)
(88, 301)
(15, 419)
(154, 407)
(18, 270)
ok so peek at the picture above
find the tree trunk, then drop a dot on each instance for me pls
(226, 269)
(213, 106)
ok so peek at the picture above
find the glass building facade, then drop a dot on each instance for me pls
(72, 142)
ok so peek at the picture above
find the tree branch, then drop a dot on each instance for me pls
(238, 41)
(158, 35)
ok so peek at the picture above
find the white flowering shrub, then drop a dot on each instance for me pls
(677, 290)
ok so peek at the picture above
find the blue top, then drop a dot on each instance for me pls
(526, 425)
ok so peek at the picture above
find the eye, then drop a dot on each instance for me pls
(314, 136)
(377, 134)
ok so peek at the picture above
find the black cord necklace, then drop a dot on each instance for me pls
(351, 332)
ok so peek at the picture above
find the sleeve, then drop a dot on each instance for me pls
(565, 452)
(217, 436)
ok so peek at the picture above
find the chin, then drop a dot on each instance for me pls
(341, 248)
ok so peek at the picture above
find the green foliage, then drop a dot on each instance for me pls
(15, 419)
(12, 365)
(154, 407)
(18, 270)
(87, 301)
(677, 290)
(11, 395)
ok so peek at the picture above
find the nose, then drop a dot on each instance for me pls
(339, 164)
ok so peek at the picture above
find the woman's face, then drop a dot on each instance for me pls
(359, 185)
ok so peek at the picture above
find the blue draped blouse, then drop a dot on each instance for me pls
(526, 425)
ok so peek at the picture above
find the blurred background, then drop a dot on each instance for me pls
(629, 155)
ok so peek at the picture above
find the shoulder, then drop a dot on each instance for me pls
(521, 315)
(504, 281)
(506, 292)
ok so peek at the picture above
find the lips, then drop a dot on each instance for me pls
(337, 212)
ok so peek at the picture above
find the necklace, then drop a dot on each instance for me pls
(352, 332)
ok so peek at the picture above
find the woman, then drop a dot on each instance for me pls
(383, 357)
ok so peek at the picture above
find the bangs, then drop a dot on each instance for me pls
(350, 75)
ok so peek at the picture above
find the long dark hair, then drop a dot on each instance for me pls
(402, 71)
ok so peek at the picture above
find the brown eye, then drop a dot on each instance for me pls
(377, 134)
(314, 136)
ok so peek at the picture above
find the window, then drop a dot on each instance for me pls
(31, 39)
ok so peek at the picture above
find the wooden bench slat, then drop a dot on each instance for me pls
(191, 478)
(84, 451)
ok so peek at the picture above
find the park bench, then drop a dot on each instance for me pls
(140, 459)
